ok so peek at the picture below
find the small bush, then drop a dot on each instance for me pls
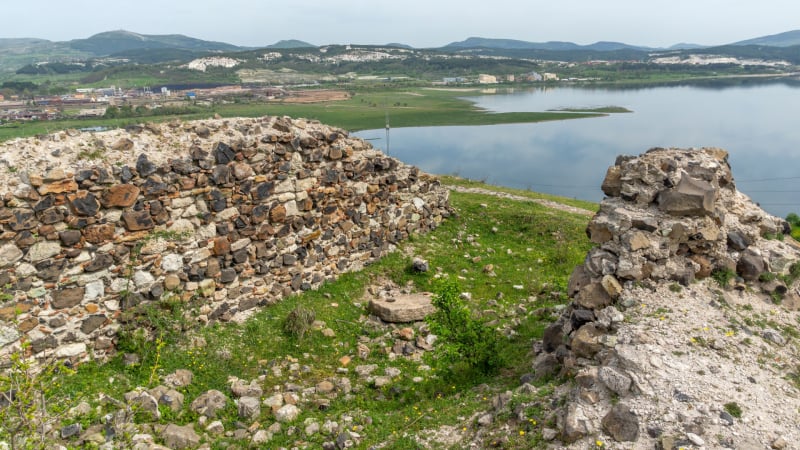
(767, 276)
(733, 409)
(793, 275)
(723, 276)
(298, 322)
(461, 338)
(28, 403)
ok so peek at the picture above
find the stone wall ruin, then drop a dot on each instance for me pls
(233, 214)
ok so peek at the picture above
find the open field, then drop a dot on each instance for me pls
(366, 109)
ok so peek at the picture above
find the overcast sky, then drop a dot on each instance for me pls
(420, 23)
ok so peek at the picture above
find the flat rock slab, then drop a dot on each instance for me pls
(403, 307)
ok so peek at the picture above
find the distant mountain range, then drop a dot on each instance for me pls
(19, 52)
(112, 42)
(787, 39)
(291, 43)
(513, 44)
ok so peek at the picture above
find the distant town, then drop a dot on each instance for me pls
(85, 103)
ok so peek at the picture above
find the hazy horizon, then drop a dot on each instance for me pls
(413, 22)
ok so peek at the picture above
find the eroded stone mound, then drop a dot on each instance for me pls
(657, 348)
(676, 215)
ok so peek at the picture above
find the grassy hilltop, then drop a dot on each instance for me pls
(511, 258)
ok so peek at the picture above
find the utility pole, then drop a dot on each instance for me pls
(387, 131)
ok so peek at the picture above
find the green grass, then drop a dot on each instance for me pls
(528, 245)
(463, 182)
(601, 110)
(366, 110)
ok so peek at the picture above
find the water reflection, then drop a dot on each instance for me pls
(756, 123)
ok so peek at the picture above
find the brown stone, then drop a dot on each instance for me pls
(242, 171)
(222, 246)
(202, 131)
(405, 333)
(278, 214)
(598, 232)
(585, 342)
(621, 423)
(69, 237)
(612, 184)
(612, 286)
(638, 241)
(213, 267)
(120, 195)
(98, 234)
(171, 282)
(705, 266)
(593, 296)
(137, 220)
(92, 323)
(9, 313)
(335, 153)
(28, 324)
(123, 144)
(67, 297)
(58, 187)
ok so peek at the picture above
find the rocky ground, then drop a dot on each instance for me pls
(683, 355)
(72, 150)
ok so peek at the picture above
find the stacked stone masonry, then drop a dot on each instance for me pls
(671, 216)
(228, 215)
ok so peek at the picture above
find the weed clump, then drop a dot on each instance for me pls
(723, 276)
(298, 322)
(462, 340)
(733, 409)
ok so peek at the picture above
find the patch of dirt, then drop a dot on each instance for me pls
(548, 203)
(314, 96)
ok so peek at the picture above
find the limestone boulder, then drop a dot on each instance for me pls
(180, 437)
(403, 307)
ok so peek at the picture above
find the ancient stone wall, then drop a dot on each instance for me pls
(225, 215)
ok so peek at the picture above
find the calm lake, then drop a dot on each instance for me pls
(758, 123)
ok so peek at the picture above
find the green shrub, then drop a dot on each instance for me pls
(28, 403)
(298, 322)
(723, 276)
(733, 409)
(767, 276)
(461, 338)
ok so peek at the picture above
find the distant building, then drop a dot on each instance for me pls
(487, 79)
(511, 78)
(453, 80)
(550, 77)
(2, 97)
